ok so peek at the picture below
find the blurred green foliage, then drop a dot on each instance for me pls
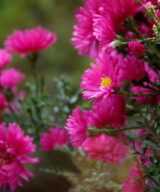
(55, 15)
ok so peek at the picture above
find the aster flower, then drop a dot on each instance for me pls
(145, 93)
(135, 182)
(108, 112)
(77, 126)
(15, 148)
(97, 23)
(54, 138)
(102, 78)
(10, 78)
(145, 96)
(104, 30)
(5, 58)
(133, 69)
(105, 148)
(83, 38)
(118, 10)
(30, 40)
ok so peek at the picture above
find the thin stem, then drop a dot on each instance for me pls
(33, 61)
(109, 131)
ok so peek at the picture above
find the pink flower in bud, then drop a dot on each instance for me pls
(10, 78)
(3, 102)
(136, 48)
(5, 58)
(15, 151)
(106, 148)
(54, 138)
(135, 182)
(30, 40)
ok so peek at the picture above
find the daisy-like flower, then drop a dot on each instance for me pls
(106, 148)
(54, 138)
(77, 126)
(15, 148)
(102, 78)
(135, 182)
(30, 40)
(98, 22)
(5, 58)
(10, 78)
(101, 147)
(132, 68)
(83, 38)
(109, 112)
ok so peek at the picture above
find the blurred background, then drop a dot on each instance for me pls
(56, 15)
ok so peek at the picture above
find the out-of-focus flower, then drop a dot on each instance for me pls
(132, 68)
(136, 48)
(105, 148)
(145, 94)
(10, 78)
(54, 138)
(135, 182)
(109, 112)
(83, 38)
(30, 40)
(5, 58)
(98, 22)
(15, 148)
(77, 126)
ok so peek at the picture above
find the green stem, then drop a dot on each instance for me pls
(109, 131)
(33, 61)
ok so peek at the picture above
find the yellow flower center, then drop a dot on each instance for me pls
(106, 82)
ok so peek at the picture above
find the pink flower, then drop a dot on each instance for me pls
(77, 126)
(10, 78)
(103, 78)
(30, 40)
(106, 148)
(112, 14)
(97, 23)
(104, 30)
(3, 102)
(83, 38)
(54, 138)
(132, 68)
(118, 10)
(135, 182)
(109, 112)
(145, 93)
(15, 148)
(144, 96)
(5, 58)
(136, 48)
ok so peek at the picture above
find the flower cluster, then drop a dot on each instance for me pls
(122, 84)
(15, 146)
